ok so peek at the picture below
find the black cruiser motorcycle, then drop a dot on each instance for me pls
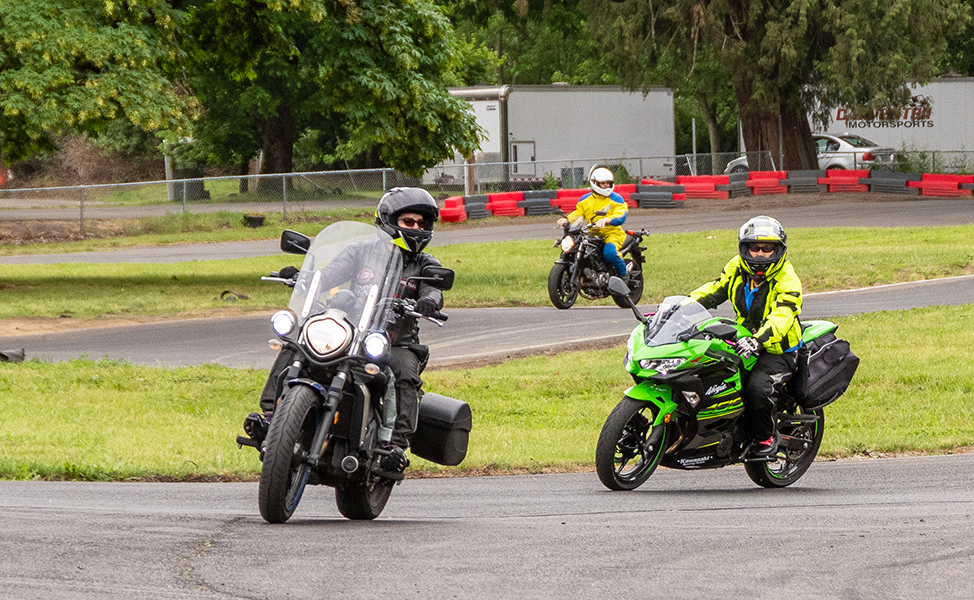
(338, 406)
(582, 270)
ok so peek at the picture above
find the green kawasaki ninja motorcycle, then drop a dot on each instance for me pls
(684, 410)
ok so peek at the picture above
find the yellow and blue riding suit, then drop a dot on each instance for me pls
(616, 212)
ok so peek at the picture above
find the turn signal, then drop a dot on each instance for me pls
(274, 344)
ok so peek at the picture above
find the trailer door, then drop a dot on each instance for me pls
(522, 155)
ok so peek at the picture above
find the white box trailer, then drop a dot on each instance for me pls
(940, 118)
(538, 130)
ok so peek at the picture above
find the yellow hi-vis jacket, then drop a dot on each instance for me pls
(775, 304)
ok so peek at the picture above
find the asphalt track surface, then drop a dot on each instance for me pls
(858, 529)
(876, 529)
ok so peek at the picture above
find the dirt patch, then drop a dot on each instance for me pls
(41, 325)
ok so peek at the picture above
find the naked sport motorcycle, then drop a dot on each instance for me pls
(684, 408)
(582, 270)
(339, 406)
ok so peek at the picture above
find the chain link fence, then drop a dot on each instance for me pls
(292, 194)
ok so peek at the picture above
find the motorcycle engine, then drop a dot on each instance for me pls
(593, 284)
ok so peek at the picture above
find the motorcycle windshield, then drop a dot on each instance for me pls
(676, 315)
(351, 266)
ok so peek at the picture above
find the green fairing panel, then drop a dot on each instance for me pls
(816, 329)
(659, 395)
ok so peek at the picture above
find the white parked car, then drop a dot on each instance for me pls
(837, 151)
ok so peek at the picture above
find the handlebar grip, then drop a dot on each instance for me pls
(440, 316)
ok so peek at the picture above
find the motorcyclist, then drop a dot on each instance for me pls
(606, 211)
(407, 215)
(767, 297)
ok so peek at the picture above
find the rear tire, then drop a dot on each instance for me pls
(791, 463)
(363, 501)
(635, 285)
(623, 460)
(561, 290)
(285, 470)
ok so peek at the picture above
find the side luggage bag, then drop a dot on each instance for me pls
(443, 430)
(831, 366)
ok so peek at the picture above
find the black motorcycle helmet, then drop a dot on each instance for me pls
(767, 230)
(407, 200)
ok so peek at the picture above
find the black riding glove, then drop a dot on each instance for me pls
(748, 346)
(426, 307)
(288, 273)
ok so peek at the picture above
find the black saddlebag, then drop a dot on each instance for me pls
(443, 431)
(831, 365)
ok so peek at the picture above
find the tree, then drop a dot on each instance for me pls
(534, 42)
(77, 65)
(787, 59)
(372, 74)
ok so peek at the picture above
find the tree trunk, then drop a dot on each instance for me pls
(713, 133)
(762, 133)
(277, 140)
(244, 170)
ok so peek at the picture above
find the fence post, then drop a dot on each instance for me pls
(185, 192)
(284, 190)
(82, 211)
(385, 184)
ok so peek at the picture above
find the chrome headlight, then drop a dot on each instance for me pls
(376, 344)
(661, 366)
(283, 322)
(567, 243)
(327, 336)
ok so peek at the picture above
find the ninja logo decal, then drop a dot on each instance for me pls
(717, 388)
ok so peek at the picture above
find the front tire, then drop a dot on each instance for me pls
(629, 447)
(285, 469)
(562, 291)
(792, 462)
(363, 501)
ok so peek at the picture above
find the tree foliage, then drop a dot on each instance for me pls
(787, 59)
(77, 65)
(369, 74)
(538, 42)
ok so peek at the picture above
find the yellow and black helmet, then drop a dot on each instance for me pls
(767, 230)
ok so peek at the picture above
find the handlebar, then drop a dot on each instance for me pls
(273, 277)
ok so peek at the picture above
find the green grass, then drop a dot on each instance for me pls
(108, 420)
(227, 191)
(187, 228)
(498, 274)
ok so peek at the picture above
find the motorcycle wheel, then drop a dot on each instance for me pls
(635, 286)
(363, 501)
(791, 463)
(562, 291)
(285, 470)
(625, 456)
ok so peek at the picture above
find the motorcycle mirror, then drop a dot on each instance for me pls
(619, 289)
(439, 277)
(602, 212)
(293, 242)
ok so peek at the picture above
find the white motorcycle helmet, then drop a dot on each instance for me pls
(601, 175)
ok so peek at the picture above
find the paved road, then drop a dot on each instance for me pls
(470, 335)
(862, 529)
